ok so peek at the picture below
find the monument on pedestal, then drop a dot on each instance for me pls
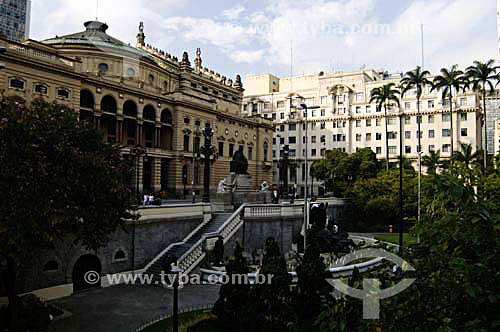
(239, 183)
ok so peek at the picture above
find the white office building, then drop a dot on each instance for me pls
(341, 117)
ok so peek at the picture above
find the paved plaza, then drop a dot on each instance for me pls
(124, 307)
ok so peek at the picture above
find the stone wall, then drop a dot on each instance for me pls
(153, 233)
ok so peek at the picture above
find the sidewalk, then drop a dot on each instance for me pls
(124, 307)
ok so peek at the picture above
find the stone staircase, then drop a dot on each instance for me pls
(190, 251)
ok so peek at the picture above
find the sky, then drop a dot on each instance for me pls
(291, 37)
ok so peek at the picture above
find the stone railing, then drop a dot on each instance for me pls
(261, 211)
(36, 53)
(196, 253)
(175, 211)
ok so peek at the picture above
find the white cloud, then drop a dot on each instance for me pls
(234, 12)
(246, 56)
(260, 35)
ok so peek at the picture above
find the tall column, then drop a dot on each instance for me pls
(156, 181)
(97, 121)
(119, 130)
(139, 137)
(157, 136)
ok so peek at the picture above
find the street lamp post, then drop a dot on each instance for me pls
(401, 182)
(196, 133)
(286, 153)
(2, 50)
(208, 151)
(175, 308)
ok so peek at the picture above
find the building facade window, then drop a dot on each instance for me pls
(463, 132)
(186, 143)
(41, 89)
(63, 93)
(431, 134)
(221, 149)
(103, 68)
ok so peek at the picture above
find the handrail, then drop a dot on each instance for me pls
(207, 235)
(186, 239)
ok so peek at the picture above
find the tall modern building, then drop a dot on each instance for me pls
(15, 19)
(498, 23)
(342, 117)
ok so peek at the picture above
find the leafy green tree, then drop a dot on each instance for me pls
(481, 76)
(432, 161)
(312, 291)
(448, 81)
(374, 202)
(270, 303)
(467, 160)
(456, 262)
(232, 306)
(340, 170)
(384, 96)
(59, 181)
(416, 79)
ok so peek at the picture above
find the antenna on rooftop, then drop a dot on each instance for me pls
(97, 10)
(422, 41)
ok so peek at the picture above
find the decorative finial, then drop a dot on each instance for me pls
(198, 61)
(140, 36)
(237, 83)
(185, 64)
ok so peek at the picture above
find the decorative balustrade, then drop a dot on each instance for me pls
(35, 53)
(196, 253)
(273, 211)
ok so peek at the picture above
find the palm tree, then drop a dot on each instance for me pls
(466, 158)
(432, 161)
(384, 95)
(417, 79)
(482, 76)
(449, 80)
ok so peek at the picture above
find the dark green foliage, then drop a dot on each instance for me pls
(270, 303)
(341, 170)
(312, 291)
(58, 181)
(231, 307)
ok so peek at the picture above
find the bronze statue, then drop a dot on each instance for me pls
(239, 165)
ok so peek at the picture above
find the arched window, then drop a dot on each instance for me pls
(86, 99)
(119, 255)
(103, 68)
(18, 84)
(166, 116)
(51, 266)
(41, 89)
(149, 113)
(130, 109)
(131, 72)
(108, 104)
(266, 151)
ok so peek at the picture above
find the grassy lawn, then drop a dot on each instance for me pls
(394, 238)
(185, 320)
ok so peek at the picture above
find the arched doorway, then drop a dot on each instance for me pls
(149, 117)
(166, 133)
(85, 270)
(87, 105)
(130, 122)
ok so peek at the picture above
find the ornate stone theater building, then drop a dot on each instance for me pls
(142, 96)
